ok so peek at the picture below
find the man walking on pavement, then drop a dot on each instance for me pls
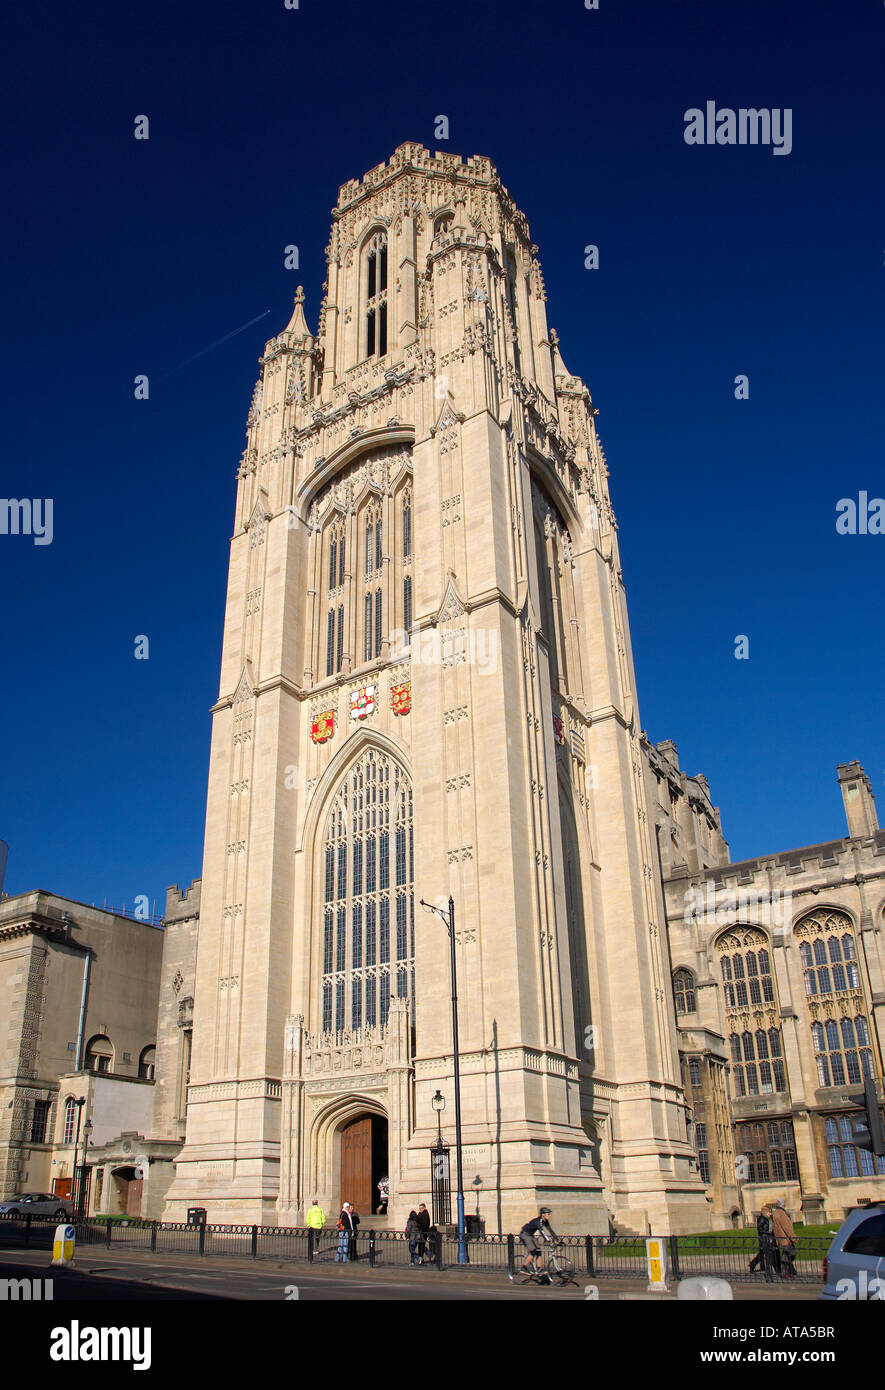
(422, 1219)
(786, 1239)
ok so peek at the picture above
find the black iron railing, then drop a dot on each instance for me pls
(598, 1257)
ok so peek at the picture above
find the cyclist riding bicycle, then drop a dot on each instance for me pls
(534, 1235)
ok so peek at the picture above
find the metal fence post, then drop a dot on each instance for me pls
(110, 1227)
(154, 1239)
(202, 1237)
(511, 1256)
(674, 1256)
(27, 1228)
(371, 1249)
(438, 1241)
(310, 1245)
(588, 1242)
(255, 1242)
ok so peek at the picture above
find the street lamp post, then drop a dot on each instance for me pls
(82, 1194)
(450, 926)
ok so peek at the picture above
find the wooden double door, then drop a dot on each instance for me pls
(363, 1162)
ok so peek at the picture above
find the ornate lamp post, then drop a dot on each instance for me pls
(439, 1166)
(449, 920)
(82, 1191)
(438, 1101)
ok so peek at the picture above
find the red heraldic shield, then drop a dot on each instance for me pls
(401, 698)
(322, 726)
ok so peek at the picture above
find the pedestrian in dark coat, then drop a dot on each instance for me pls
(422, 1217)
(765, 1255)
(413, 1234)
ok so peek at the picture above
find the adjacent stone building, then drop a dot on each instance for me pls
(779, 986)
(78, 997)
(99, 1009)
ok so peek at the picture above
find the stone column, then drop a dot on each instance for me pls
(290, 1200)
(398, 1067)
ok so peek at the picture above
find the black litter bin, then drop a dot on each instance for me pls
(196, 1216)
(474, 1225)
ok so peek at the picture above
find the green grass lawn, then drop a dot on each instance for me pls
(118, 1218)
(745, 1236)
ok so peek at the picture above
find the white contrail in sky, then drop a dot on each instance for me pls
(218, 341)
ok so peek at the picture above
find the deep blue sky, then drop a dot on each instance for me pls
(123, 257)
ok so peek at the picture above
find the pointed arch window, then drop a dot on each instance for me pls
(368, 913)
(376, 296)
(373, 539)
(513, 314)
(748, 992)
(684, 991)
(70, 1120)
(336, 556)
(373, 595)
(334, 639)
(828, 953)
(405, 511)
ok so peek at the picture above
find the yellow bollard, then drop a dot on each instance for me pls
(656, 1254)
(63, 1245)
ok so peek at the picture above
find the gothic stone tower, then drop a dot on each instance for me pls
(427, 689)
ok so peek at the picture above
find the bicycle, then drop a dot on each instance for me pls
(558, 1270)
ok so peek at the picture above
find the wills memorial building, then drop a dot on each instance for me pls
(427, 689)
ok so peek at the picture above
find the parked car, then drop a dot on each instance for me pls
(37, 1204)
(854, 1267)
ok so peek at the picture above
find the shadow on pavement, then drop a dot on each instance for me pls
(69, 1286)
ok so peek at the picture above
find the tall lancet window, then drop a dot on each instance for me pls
(376, 295)
(335, 600)
(372, 595)
(368, 942)
(510, 290)
(407, 559)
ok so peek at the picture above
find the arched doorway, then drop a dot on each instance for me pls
(127, 1191)
(364, 1161)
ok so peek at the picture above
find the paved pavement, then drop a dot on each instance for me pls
(136, 1274)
